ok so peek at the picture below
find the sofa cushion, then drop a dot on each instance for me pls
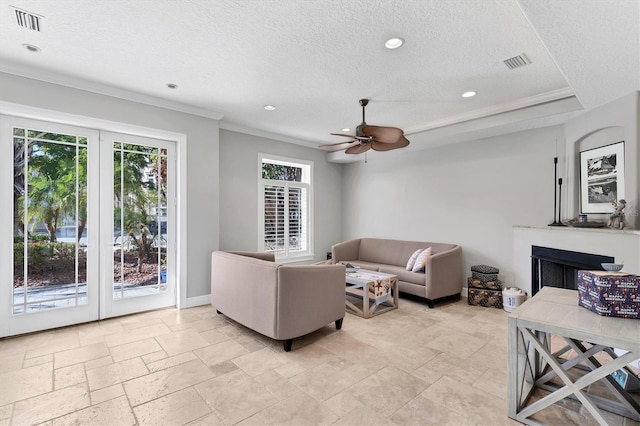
(404, 275)
(412, 259)
(421, 261)
(389, 252)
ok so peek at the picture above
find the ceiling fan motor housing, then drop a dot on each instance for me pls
(360, 132)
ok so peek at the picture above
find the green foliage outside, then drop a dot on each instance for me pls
(281, 172)
(50, 185)
(41, 253)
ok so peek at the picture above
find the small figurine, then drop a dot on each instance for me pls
(616, 219)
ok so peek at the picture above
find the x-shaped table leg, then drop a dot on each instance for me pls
(570, 387)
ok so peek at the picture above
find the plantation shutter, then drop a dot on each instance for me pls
(297, 214)
(285, 218)
(274, 215)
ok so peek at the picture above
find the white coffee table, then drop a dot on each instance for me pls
(377, 291)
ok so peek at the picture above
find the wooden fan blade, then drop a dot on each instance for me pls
(337, 143)
(350, 136)
(382, 146)
(383, 134)
(359, 149)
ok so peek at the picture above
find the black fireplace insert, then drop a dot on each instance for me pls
(559, 268)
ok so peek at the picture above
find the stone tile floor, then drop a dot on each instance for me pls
(413, 365)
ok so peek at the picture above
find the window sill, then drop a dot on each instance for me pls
(295, 259)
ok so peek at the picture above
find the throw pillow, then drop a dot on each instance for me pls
(412, 259)
(421, 260)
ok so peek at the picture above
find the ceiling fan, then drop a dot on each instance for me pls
(368, 137)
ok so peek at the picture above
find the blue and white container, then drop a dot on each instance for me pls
(512, 298)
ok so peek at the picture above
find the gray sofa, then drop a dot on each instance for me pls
(279, 301)
(442, 277)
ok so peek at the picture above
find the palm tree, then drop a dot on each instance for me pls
(53, 183)
(135, 195)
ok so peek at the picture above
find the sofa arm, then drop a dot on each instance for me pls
(309, 297)
(347, 250)
(444, 273)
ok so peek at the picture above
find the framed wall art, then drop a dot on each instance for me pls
(601, 178)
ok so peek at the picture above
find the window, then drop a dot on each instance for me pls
(285, 207)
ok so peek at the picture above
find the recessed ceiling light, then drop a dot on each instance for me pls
(468, 94)
(394, 43)
(346, 129)
(31, 47)
(172, 85)
(269, 107)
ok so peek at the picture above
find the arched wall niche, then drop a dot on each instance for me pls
(595, 139)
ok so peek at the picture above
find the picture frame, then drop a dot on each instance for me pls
(601, 178)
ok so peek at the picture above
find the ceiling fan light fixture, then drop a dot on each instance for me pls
(269, 108)
(394, 43)
(469, 94)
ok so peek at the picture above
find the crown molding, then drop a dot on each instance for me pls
(104, 89)
(519, 104)
(233, 127)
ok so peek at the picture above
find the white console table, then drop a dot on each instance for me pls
(554, 311)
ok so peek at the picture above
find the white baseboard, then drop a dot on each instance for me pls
(464, 292)
(198, 301)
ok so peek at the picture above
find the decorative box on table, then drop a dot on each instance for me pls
(615, 294)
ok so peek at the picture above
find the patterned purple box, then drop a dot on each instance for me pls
(613, 294)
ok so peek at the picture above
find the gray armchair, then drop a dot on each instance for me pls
(279, 301)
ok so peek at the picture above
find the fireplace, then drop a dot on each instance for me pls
(559, 268)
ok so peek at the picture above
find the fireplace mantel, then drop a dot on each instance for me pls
(623, 245)
(577, 229)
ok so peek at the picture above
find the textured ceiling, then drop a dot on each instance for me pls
(314, 60)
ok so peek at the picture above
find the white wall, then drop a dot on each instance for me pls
(202, 157)
(470, 193)
(239, 191)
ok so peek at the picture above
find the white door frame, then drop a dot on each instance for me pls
(26, 111)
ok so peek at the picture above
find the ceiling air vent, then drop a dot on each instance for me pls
(517, 61)
(28, 20)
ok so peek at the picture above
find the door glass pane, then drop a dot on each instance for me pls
(50, 220)
(140, 220)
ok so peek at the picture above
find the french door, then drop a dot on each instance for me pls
(138, 229)
(90, 233)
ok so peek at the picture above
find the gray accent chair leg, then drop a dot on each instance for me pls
(339, 324)
(287, 345)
